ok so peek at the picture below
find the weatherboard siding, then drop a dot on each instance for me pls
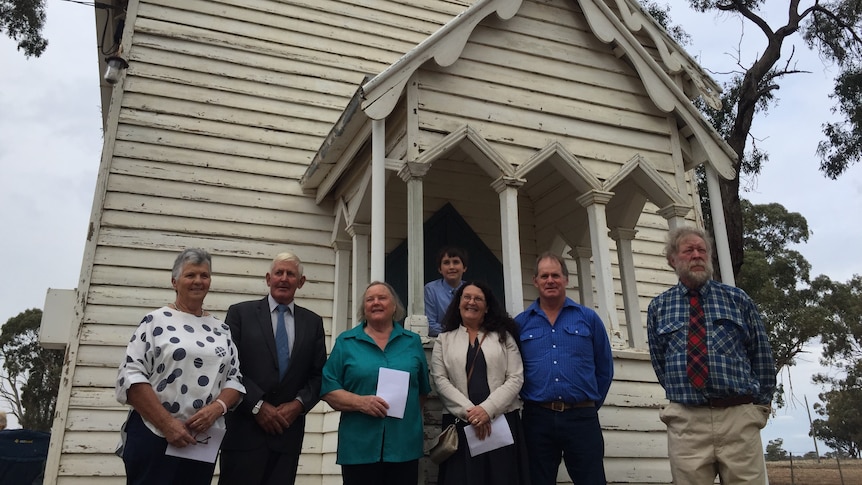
(222, 109)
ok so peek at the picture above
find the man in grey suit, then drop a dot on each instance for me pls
(282, 352)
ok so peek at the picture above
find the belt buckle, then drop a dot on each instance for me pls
(558, 406)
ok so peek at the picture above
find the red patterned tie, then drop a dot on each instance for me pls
(697, 366)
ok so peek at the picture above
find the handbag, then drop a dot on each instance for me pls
(447, 444)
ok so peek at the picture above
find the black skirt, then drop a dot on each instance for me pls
(503, 466)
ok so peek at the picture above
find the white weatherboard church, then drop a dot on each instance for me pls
(363, 135)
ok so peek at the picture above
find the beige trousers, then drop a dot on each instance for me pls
(704, 442)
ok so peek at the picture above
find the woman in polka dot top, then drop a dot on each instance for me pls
(181, 376)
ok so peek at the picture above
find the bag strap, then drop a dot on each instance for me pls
(478, 349)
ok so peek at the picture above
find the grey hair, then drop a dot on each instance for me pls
(400, 311)
(678, 234)
(555, 257)
(287, 256)
(190, 256)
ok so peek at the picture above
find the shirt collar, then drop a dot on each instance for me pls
(703, 290)
(273, 304)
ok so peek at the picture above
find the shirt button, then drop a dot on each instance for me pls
(554, 346)
(555, 362)
(557, 379)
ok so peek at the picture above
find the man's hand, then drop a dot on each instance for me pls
(290, 411)
(270, 420)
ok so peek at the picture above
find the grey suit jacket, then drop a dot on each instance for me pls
(251, 329)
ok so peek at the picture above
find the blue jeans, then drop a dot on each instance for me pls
(574, 435)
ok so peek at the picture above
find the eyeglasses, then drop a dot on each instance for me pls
(203, 441)
(469, 298)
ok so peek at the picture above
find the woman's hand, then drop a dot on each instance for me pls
(477, 416)
(480, 420)
(177, 434)
(483, 430)
(373, 406)
(204, 418)
(346, 401)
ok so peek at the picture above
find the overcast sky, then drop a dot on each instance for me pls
(51, 140)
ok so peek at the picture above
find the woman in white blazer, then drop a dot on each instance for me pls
(477, 371)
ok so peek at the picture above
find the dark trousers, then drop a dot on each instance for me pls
(574, 435)
(260, 466)
(381, 473)
(146, 462)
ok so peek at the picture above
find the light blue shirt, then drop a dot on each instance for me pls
(438, 295)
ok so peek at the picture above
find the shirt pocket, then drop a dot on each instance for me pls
(579, 341)
(531, 343)
(729, 338)
(673, 332)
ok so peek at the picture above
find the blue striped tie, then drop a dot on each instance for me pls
(281, 342)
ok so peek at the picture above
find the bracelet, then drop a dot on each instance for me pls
(223, 406)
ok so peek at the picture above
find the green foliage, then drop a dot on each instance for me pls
(33, 369)
(777, 278)
(830, 27)
(842, 337)
(811, 455)
(23, 20)
(661, 14)
(843, 139)
(841, 424)
(774, 450)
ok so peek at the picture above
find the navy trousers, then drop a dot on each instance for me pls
(574, 436)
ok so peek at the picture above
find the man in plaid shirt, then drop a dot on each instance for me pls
(718, 402)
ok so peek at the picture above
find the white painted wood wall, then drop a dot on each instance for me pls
(222, 108)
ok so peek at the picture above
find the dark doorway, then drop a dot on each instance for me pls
(447, 228)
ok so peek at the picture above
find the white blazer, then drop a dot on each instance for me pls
(505, 373)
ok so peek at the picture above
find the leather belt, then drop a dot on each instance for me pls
(728, 402)
(560, 406)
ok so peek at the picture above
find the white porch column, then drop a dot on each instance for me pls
(636, 333)
(585, 276)
(340, 313)
(378, 200)
(716, 208)
(412, 173)
(595, 202)
(359, 233)
(675, 214)
(513, 285)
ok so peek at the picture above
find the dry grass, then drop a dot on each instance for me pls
(809, 472)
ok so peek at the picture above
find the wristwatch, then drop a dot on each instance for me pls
(256, 408)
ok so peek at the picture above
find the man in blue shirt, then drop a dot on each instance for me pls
(710, 351)
(568, 368)
(451, 263)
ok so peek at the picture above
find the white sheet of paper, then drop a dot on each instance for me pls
(500, 436)
(206, 449)
(392, 386)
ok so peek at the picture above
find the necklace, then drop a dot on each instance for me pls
(176, 306)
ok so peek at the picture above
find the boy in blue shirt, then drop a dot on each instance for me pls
(451, 264)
